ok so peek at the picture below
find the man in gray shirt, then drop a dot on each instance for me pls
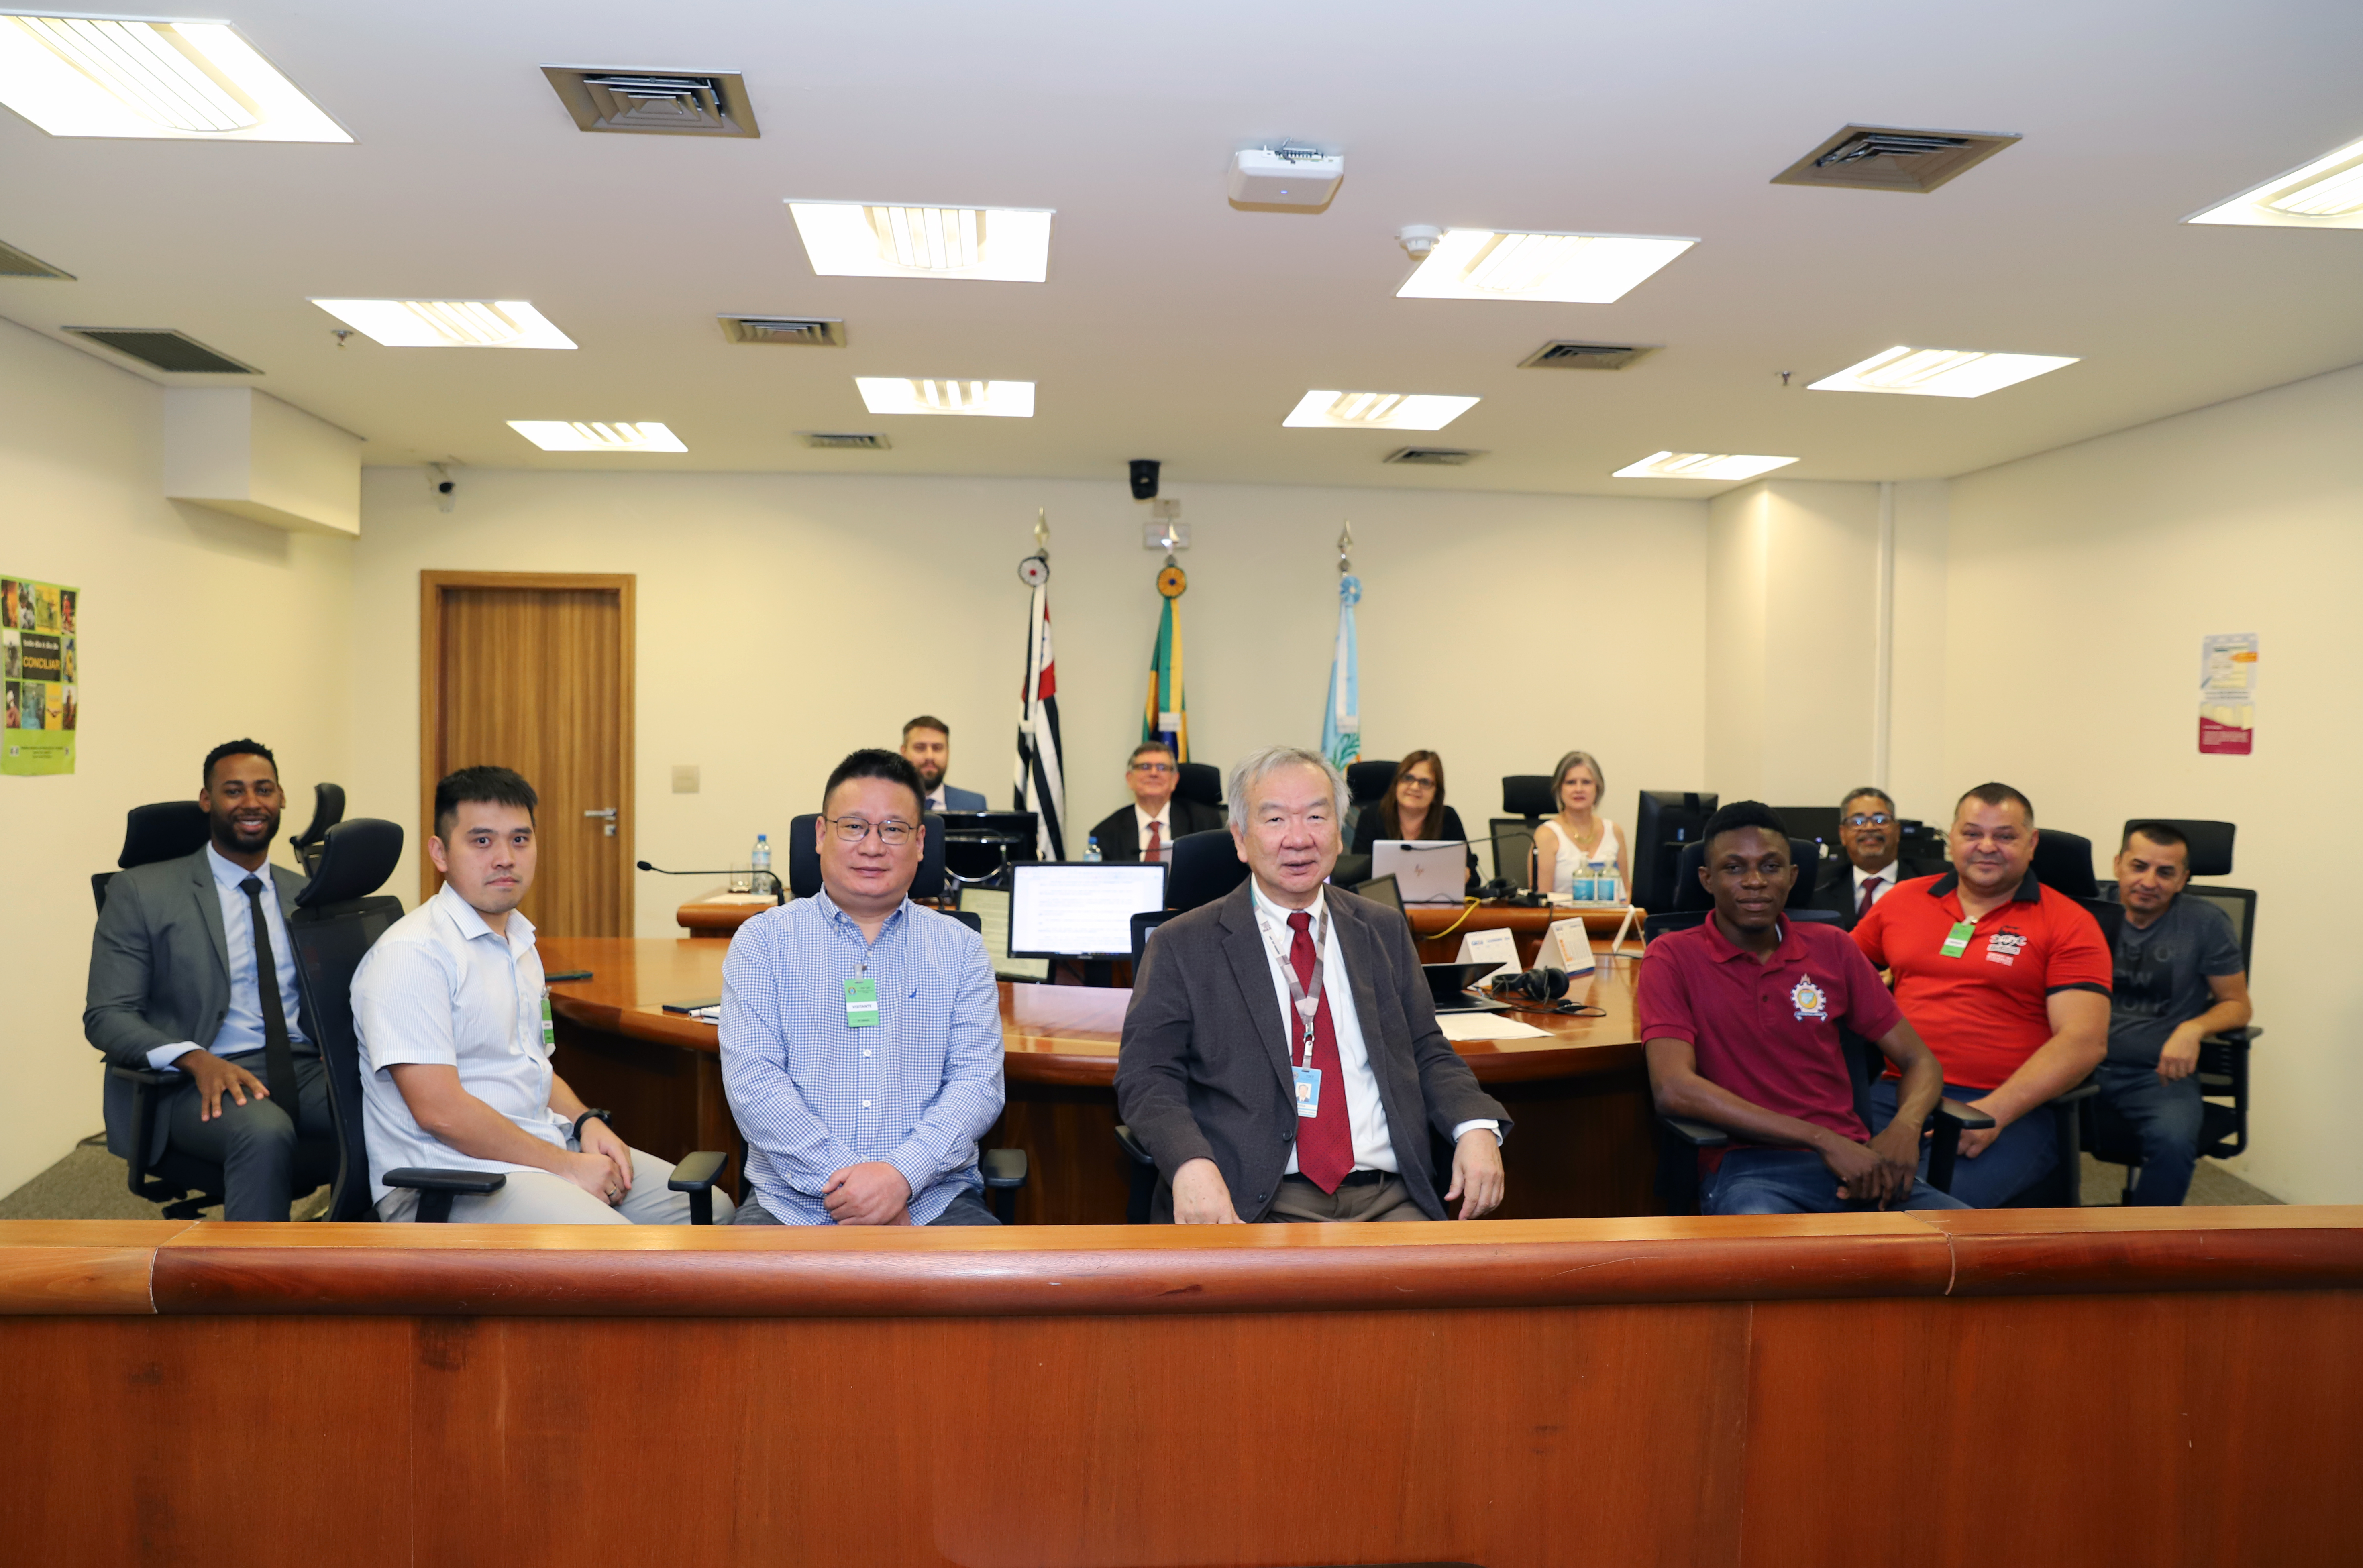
(2179, 980)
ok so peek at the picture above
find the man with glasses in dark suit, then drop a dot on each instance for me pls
(1146, 829)
(1866, 868)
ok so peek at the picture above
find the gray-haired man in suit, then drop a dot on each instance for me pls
(177, 979)
(1281, 1057)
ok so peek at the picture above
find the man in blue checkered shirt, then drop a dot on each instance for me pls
(861, 1033)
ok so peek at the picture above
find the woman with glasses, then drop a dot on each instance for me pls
(1579, 836)
(1413, 809)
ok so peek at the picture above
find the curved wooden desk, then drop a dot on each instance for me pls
(1582, 1143)
(2083, 1387)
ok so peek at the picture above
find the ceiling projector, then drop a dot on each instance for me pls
(1285, 176)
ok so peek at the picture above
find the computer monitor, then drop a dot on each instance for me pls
(1079, 908)
(990, 907)
(977, 844)
(1666, 820)
(1382, 891)
(1819, 823)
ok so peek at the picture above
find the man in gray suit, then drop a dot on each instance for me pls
(927, 746)
(1281, 1057)
(191, 968)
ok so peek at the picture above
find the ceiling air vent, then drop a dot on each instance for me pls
(165, 349)
(843, 441)
(1888, 158)
(1565, 356)
(1433, 456)
(15, 263)
(658, 103)
(819, 332)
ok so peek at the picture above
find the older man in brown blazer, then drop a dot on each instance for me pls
(1281, 1057)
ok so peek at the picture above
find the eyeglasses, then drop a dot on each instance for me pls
(1152, 767)
(1414, 781)
(892, 831)
(1868, 819)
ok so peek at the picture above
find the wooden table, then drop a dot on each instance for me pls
(2094, 1387)
(1582, 1145)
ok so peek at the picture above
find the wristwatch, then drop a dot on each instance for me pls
(606, 1116)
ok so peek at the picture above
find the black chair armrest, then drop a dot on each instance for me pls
(2233, 1037)
(436, 1188)
(1950, 1120)
(1962, 1117)
(151, 1077)
(1133, 1146)
(1697, 1135)
(695, 1175)
(144, 1081)
(2084, 1091)
(1005, 1169)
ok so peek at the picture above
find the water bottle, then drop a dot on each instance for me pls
(1604, 884)
(1091, 850)
(1596, 875)
(761, 862)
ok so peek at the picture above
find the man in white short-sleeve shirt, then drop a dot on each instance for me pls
(456, 1034)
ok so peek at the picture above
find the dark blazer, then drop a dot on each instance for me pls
(1119, 835)
(1835, 889)
(160, 972)
(962, 799)
(1204, 1072)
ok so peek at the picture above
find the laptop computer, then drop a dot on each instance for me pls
(1426, 871)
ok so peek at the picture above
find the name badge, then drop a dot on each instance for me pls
(1957, 940)
(1308, 1090)
(549, 1025)
(861, 1002)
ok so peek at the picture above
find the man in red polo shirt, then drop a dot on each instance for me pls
(1741, 1019)
(2008, 981)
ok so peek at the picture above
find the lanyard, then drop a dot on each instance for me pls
(1307, 1003)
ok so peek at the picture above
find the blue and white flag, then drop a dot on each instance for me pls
(1341, 721)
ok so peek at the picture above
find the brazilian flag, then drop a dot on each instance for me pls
(1165, 716)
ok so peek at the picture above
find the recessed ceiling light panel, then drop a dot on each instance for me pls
(936, 394)
(1939, 372)
(1702, 466)
(449, 324)
(872, 240)
(1377, 411)
(597, 435)
(1568, 269)
(107, 76)
(2324, 193)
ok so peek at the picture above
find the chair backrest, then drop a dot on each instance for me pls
(2239, 906)
(327, 811)
(1819, 823)
(968, 918)
(804, 860)
(1689, 893)
(1144, 925)
(2211, 842)
(165, 830)
(1367, 782)
(1200, 781)
(1514, 850)
(1206, 866)
(2063, 862)
(336, 922)
(1527, 795)
(2109, 915)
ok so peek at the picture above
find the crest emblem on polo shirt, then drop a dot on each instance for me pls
(1810, 1000)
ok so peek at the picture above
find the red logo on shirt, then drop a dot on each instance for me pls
(2004, 946)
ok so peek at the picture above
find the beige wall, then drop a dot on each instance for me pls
(784, 620)
(194, 627)
(2081, 582)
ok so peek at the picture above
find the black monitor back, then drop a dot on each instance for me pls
(1664, 820)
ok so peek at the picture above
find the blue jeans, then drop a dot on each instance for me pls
(1790, 1181)
(965, 1209)
(2166, 1116)
(2023, 1154)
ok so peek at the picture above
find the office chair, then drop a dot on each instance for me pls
(1366, 786)
(1201, 782)
(327, 811)
(2063, 861)
(1679, 1138)
(1144, 925)
(1206, 866)
(1004, 1170)
(1142, 1169)
(181, 1182)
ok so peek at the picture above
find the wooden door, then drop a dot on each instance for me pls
(533, 670)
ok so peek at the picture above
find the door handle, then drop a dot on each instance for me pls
(609, 813)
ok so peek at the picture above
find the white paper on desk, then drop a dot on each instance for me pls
(1497, 947)
(1486, 1026)
(1567, 947)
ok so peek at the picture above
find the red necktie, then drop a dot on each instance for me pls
(1870, 891)
(1156, 845)
(1324, 1144)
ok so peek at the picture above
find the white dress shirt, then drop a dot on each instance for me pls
(1163, 817)
(242, 1028)
(1374, 1149)
(442, 988)
(933, 802)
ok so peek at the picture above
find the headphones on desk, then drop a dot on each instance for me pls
(1547, 986)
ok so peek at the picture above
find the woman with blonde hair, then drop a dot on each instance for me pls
(1569, 842)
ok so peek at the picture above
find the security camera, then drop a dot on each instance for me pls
(1144, 478)
(446, 493)
(446, 488)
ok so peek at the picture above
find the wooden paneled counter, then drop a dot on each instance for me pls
(1579, 1096)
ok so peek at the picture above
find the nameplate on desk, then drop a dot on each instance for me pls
(1498, 947)
(1567, 947)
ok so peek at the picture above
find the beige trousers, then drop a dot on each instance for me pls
(1299, 1199)
(538, 1198)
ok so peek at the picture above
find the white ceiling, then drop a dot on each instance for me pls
(1174, 327)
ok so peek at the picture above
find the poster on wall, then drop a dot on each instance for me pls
(2228, 694)
(40, 676)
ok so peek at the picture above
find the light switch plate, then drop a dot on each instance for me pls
(685, 779)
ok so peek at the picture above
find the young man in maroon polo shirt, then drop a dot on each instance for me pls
(2006, 978)
(1741, 1019)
